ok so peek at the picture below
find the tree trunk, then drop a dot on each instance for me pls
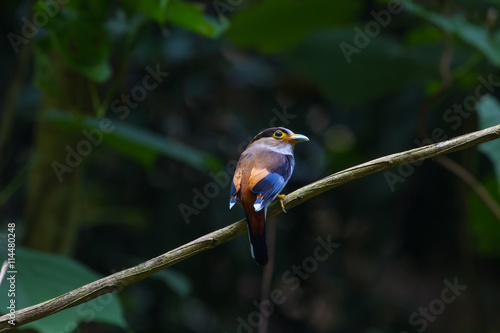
(52, 222)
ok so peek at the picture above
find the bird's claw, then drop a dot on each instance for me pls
(281, 197)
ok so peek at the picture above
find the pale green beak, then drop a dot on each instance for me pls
(298, 138)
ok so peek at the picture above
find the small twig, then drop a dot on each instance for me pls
(131, 275)
(470, 180)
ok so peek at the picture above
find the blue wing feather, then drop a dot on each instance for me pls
(268, 187)
(271, 185)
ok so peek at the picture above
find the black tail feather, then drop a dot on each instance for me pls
(259, 248)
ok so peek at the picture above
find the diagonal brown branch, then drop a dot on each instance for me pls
(131, 275)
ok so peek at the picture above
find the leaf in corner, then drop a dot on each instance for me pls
(42, 276)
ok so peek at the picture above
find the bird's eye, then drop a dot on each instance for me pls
(278, 134)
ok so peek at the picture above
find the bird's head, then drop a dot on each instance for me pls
(278, 138)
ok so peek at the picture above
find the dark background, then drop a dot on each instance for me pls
(265, 63)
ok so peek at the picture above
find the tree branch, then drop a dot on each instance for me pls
(131, 275)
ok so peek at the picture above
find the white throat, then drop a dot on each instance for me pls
(282, 149)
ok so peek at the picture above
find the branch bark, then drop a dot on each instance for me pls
(131, 275)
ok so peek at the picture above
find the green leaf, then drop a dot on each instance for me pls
(43, 276)
(482, 223)
(474, 35)
(142, 145)
(380, 67)
(95, 8)
(191, 17)
(176, 281)
(273, 25)
(488, 109)
(85, 45)
(183, 14)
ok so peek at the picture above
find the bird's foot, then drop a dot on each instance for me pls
(281, 197)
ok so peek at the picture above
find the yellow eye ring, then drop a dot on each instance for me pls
(278, 134)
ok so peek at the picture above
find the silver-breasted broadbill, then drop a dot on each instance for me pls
(262, 171)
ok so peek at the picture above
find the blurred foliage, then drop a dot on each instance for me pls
(289, 21)
(180, 13)
(141, 145)
(485, 41)
(175, 89)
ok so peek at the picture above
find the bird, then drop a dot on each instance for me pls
(263, 170)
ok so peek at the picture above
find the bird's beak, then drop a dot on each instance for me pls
(297, 138)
